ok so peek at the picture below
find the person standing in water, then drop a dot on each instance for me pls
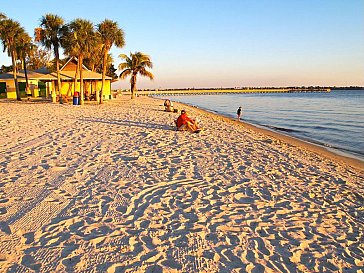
(239, 112)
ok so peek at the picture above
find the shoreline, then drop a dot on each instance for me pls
(115, 188)
(316, 148)
(338, 155)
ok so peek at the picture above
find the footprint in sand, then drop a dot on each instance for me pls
(60, 167)
(70, 262)
(26, 238)
(4, 201)
(29, 261)
(4, 227)
(52, 200)
(62, 193)
(121, 209)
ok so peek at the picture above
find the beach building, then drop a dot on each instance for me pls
(42, 82)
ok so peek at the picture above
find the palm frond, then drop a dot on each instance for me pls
(123, 56)
(147, 74)
(123, 66)
(111, 34)
(125, 73)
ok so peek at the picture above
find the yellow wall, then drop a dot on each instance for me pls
(35, 91)
(66, 89)
(10, 88)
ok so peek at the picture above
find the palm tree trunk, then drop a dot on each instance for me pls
(80, 60)
(133, 86)
(75, 80)
(56, 53)
(15, 74)
(26, 77)
(103, 75)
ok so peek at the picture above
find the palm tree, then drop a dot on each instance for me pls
(50, 35)
(25, 49)
(94, 61)
(79, 41)
(110, 34)
(133, 65)
(10, 31)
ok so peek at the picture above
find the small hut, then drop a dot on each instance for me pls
(42, 83)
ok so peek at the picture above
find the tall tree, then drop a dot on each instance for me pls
(50, 35)
(24, 49)
(80, 40)
(71, 50)
(110, 34)
(134, 65)
(10, 32)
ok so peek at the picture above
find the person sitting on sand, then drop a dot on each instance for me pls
(168, 106)
(184, 123)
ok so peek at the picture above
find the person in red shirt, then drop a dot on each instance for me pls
(183, 123)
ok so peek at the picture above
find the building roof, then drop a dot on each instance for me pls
(68, 64)
(21, 75)
(70, 75)
(67, 73)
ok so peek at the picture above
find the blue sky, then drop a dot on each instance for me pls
(226, 43)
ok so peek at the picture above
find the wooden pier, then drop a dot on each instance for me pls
(179, 92)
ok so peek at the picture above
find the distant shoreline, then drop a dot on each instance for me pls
(236, 90)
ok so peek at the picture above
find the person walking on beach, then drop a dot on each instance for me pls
(184, 123)
(239, 112)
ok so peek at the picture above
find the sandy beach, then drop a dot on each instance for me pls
(115, 188)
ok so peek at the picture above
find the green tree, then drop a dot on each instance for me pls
(39, 58)
(80, 41)
(10, 32)
(5, 69)
(110, 34)
(94, 61)
(50, 35)
(111, 71)
(134, 65)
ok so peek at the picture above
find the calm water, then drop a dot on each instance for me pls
(334, 120)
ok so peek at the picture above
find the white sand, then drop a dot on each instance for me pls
(114, 188)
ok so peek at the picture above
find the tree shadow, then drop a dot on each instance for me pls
(130, 123)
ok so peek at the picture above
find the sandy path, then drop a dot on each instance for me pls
(114, 188)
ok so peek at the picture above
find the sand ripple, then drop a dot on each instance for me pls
(114, 188)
